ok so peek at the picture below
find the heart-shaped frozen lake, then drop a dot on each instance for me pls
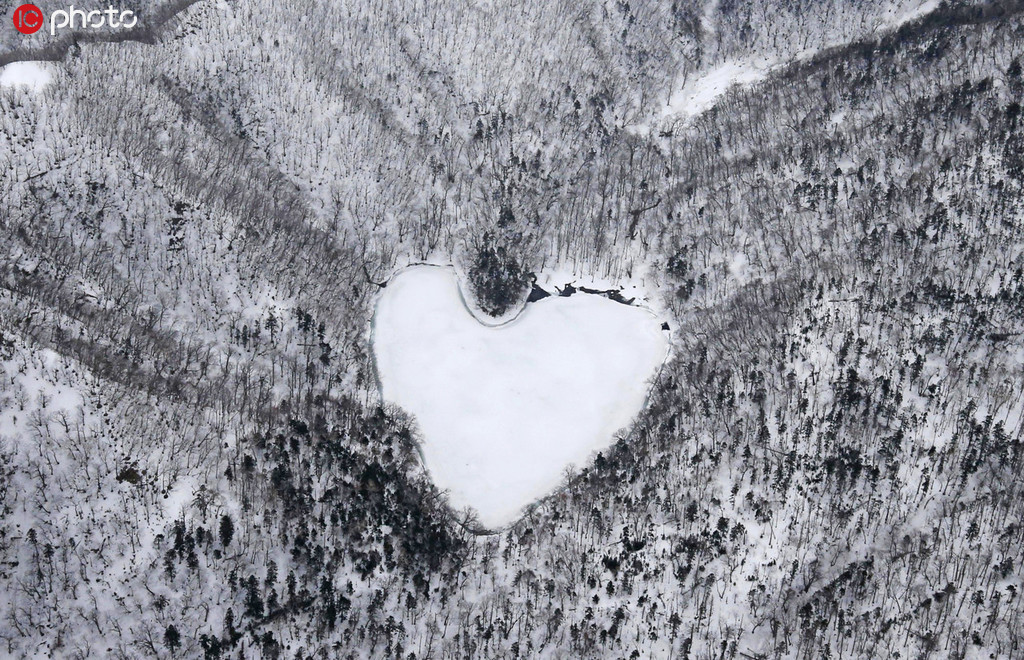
(504, 410)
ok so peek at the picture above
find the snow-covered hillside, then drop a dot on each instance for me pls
(200, 453)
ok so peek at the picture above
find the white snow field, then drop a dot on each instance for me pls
(504, 410)
(702, 94)
(33, 75)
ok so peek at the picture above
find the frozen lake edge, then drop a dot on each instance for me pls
(502, 410)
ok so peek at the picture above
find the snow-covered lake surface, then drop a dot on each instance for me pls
(504, 410)
(33, 75)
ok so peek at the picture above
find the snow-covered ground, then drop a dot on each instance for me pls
(33, 75)
(701, 94)
(896, 18)
(504, 410)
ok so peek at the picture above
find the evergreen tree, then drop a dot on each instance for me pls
(227, 530)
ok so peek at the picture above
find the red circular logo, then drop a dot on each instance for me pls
(28, 19)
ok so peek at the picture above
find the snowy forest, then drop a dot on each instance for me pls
(822, 199)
